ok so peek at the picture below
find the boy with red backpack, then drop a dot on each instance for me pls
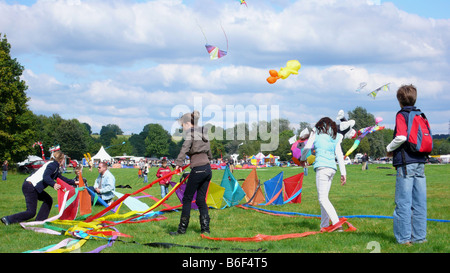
(410, 148)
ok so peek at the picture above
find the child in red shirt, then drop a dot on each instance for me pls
(164, 184)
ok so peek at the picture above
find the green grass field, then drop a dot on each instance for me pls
(368, 192)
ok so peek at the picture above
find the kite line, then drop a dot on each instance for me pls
(285, 213)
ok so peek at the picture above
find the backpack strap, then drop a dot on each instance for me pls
(408, 114)
(410, 120)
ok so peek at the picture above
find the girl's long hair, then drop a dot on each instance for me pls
(327, 126)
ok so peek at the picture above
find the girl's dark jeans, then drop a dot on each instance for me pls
(198, 181)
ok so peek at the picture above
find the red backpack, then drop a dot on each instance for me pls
(419, 139)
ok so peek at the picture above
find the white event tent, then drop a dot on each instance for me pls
(102, 155)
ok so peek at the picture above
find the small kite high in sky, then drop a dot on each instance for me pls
(374, 93)
(214, 51)
(243, 2)
(361, 86)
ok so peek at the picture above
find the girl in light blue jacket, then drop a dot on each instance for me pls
(328, 148)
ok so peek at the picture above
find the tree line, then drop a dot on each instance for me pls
(76, 139)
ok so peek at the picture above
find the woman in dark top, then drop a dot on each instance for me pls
(196, 145)
(33, 189)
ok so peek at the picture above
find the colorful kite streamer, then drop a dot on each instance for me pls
(364, 132)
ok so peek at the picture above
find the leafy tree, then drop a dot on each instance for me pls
(158, 140)
(441, 146)
(94, 147)
(249, 148)
(362, 117)
(46, 131)
(70, 136)
(304, 125)
(217, 148)
(284, 148)
(108, 132)
(283, 125)
(16, 120)
(120, 146)
(235, 137)
(137, 142)
(174, 148)
(93, 144)
(218, 139)
(54, 130)
(88, 127)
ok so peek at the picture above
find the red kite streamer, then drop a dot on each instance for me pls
(42, 148)
(120, 200)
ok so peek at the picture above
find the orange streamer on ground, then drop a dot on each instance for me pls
(263, 237)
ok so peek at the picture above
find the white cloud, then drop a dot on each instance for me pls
(319, 31)
(47, 83)
(131, 63)
(42, 106)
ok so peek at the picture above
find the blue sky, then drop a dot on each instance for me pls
(437, 9)
(132, 63)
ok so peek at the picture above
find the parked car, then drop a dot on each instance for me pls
(347, 161)
(433, 160)
(358, 158)
(383, 160)
(31, 167)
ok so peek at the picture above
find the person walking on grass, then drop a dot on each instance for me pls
(365, 160)
(328, 148)
(145, 173)
(4, 170)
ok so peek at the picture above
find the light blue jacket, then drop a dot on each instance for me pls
(108, 185)
(327, 150)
